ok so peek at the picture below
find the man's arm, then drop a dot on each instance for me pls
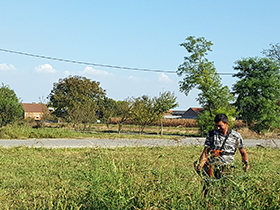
(245, 159)
(203, 159)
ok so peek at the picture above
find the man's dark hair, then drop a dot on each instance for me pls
(221, 117)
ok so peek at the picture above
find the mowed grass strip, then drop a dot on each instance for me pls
(131, 178)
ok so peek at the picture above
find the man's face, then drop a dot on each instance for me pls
(222, 127)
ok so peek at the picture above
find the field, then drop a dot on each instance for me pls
(131, 178)
(95, 131)
(172, 129)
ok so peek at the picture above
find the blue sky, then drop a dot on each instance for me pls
(141, 34)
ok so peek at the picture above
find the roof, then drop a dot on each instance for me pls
(32, 107)
(197, 110)
(169, 113)
(178, 112)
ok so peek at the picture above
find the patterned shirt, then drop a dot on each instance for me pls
(215, 140)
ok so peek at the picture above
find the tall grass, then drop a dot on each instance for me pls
(131, 178)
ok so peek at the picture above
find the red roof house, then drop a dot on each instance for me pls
(33, 110)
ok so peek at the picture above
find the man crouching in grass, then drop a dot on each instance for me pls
(222, 144)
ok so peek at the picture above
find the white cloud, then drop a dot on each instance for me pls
(45, 68)
(5, 67)
(164, 78)
(90, 70)
(132, 78)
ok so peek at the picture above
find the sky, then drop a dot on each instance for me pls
(137, 34)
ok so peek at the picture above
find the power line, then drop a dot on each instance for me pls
(93, 64)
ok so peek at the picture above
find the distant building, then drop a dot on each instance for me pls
(178, 113)
(169, 115)
(192, 113)
(33, 110)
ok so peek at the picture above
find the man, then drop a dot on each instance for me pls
(222, 144)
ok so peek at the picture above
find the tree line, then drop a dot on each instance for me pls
(254, 98)
(79, 100)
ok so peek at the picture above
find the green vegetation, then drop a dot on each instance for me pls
(258, 90)
(10, 107)
(96, 131)
(146, 111)
(130, 178)
(200, 73)
(77, 98)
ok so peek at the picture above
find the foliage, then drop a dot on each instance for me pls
(273, 52)
(143, 112)
(131, 178)
(200, 73)
(165, 102)
(258, 90)
(10, 107)
(146, 111)
(108, 109)
(83, 113)
(45, 116)
(123, 112)
(72, 90)
(206, 121)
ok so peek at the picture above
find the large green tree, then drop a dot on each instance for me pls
(257, 91)
(76, 91)
(10, 107)
(200, 73)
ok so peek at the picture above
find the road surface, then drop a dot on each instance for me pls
(110, 143)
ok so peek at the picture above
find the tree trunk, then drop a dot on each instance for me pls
(161, 128)
(120, 127)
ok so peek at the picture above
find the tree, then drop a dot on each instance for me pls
(163, 103)
(123, 111)
(258, 90)
(143, 112)
(273, 52)
(75, 91)
(200, 73)
(84, 113)
(146, 111)
(10, 107)
(108, 109)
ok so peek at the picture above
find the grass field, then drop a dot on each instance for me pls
(96, 131)
(131, 178)
(56, 130)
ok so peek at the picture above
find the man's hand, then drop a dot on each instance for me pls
(246, 167)
(197, 167)
(244, 156)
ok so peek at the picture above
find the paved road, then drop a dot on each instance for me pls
(109, 143)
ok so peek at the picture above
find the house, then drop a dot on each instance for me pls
(192, 113)
(169, 115)
(33, 110)
(178, 113)
(173, 114)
